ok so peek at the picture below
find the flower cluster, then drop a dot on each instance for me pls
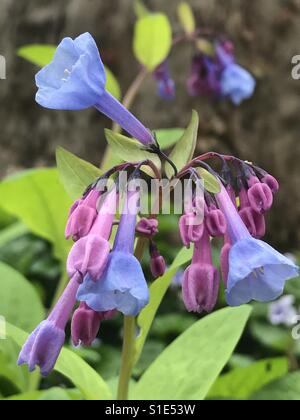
(107, 279)
(251, 269)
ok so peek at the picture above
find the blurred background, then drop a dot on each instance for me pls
(265, 130)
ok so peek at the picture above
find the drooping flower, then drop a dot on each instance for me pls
(82, 216)
(44, 345)
(256, 270)
(165, 84)
(201, 281)
(88, 256)
(76, 80)
(123, 286)
(254, 221)
(236, 82)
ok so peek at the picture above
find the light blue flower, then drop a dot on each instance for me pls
(257, 272)
(283, 311)
(237, 83)
(123, 286)
(76, 80)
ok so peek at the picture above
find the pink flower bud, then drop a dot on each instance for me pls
(216, 223)
(190, 229)
(272, 183)
(260, 197)
(147, 227)
(158, 266)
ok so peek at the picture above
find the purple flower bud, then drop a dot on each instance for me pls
(190, 229)
(255, 222)
(147, 227)
(85, 325)
(260, 197)
(82, 216)
(271, 182)
(201, 280)
(157, 262)
(205, 77)
(215, 222)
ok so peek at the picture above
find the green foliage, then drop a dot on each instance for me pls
(242, 383)
(42, 55)
(211, 183)
(157, 292)
(152, 40)
(168, 137)
(130, 150)
(89, 383)
(38, 199)
(15, 230)
(20, 303)
(185, 147)
(75, 174)
(189, 366)
(284, 389)
(140, 9)
(186, 18)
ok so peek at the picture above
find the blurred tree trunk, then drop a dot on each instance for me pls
(265, 129)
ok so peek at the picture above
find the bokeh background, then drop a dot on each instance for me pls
(264, 130)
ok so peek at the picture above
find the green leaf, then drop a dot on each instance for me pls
(189, 366)
(211, 183)
(271, 336)
(152, 40)
(242, 383)
(86, 379)
(186, 18)
(41, 55)
(168, 137)
(157, 292)
(130, 150)
(284, 389)
(38, 199)
(75, 174)
(19, 303)
(112, 85)
(12, 232)
(140, 9)
(185, 148)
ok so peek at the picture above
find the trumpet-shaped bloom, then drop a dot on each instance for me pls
(256, 270)
(123, 286)
(76, 79)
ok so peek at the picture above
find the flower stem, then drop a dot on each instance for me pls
(128, 351)
(109, 160)
(127, 358)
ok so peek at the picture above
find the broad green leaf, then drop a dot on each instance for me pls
(140, 9)
(211, 183)
(152, 40)
(185, 147)
(284, 389)
(12, 232)
(19, 303)
(112, 85)
(86, 379)
(130, 150)
(242, 383)
(190, 365)
(75, 174)
(186, 18)
(19, 377)
(205, 46)
(38, 199)
(38, 54)
(168, 137)
(157, 292)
